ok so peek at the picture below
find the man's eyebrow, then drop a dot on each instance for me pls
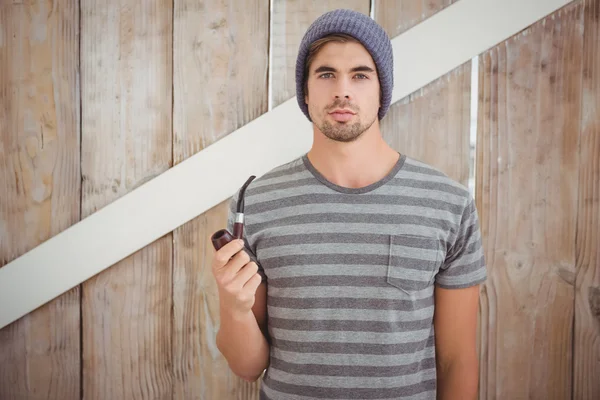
(325, 68)
(360, 68)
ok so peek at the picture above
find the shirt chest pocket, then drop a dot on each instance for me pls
(413, 262)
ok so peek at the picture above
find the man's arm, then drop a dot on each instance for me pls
(455, 324)
(242, 339)
(243, 336)
(243, 311)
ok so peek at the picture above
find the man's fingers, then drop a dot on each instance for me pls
(253, 283)
(246, 273)
(237, 263)
(224, 254)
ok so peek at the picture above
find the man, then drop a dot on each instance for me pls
(372, 259)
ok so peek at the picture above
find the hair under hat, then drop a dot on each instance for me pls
(364, 29)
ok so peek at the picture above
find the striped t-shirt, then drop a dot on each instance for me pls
(350, 277)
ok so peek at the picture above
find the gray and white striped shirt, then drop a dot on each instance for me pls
(351, 276)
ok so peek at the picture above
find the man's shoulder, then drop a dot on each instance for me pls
(422, 171)
(283, 171)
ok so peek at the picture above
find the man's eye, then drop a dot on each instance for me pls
(325, 75)
(361, 76)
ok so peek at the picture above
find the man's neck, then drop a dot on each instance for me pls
(355, 164)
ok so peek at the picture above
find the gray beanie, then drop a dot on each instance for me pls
(364, 29)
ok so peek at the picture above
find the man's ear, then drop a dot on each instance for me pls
(306, 99)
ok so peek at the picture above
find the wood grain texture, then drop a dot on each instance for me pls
(221, 63)
(432, 124)
(220, 70)
(528, 168)
(39, 186)
(399, 16)
(126, 140)
(586, 357)
(290, 20)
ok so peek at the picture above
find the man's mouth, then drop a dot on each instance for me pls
(341, 115)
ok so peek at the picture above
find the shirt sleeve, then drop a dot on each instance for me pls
(248, 247)
(464, 265)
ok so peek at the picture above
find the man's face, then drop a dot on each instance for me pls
(343, 91)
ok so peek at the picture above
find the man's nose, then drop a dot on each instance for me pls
(342, 89)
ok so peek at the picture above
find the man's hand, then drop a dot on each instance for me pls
(237, 279)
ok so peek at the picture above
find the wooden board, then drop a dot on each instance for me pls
(432, 124)
(290, 20)
(399, 16)
(39, 186)
(586, 356)
(220, 84)
(527, 173)
(126, 140)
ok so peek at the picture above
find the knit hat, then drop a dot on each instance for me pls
(364, 29)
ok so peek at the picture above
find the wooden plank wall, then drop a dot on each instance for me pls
(221, 60)
(586, 346)
(161, 80)
(537, 189)
(126, 140)
(39, 186)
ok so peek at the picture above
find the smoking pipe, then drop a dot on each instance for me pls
(221, 237)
